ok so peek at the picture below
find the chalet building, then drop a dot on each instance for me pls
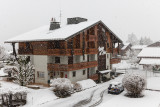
(125, 48)
(150, 55)
(138, 48)
(77, 51)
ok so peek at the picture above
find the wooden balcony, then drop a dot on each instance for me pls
(115, 60)
(58, 52)
(114, 50)
(68, 52)
(25, 51)
(91, 51)
(71, 67)
(94, 77)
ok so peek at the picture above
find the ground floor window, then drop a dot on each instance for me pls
(74, 73)
(84, 72)
(40, 74)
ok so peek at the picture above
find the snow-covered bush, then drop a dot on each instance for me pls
(13, 96)
(84, 84)
(134, 84)
(24, 70)
(62, 87)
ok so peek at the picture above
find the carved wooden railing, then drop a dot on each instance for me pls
(91, 51)
(115, 60)
(23, 51)
(71, 67)
(68, 52)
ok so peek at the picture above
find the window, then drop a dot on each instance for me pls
(74, 73)
(40, 74)
(107, 45)
(57, 59)
(84, 72)
(70, 60)
(56, 44)
(107, 56)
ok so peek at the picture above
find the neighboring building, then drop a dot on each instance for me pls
(156, 44)
(77, 51)
(138, 48)
(150, 55)
(125, 48)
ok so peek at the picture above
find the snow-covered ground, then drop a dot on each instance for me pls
(46, 98)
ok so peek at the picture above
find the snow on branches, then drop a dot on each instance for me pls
(134, 84)
(62, 87)
(25, 72)
(61, 83)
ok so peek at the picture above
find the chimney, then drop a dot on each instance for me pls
(75, 20)
(53, 24)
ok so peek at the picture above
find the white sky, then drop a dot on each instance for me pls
(142, 17)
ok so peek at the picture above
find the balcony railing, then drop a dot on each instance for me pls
(25, 51)
(71, 67)
(91, 51)
(68, 52)
(114, 50)
(115, 60)
(59, 52)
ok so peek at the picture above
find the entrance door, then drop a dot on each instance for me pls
(61, 74)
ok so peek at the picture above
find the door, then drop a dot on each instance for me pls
(61, 74)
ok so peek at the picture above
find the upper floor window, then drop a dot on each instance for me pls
(57, 59)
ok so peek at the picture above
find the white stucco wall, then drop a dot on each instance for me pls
(40, 64)
(79, 75)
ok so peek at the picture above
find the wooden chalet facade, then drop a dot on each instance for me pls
(76, 56)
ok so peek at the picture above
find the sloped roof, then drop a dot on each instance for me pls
(63, 33)
(125, 46)
(138, 46)
(152, 52)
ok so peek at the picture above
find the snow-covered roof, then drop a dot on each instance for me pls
(138, 46)
(125, 46)
(149, 61)
(105, 71)
(63, 33)
(150, 52)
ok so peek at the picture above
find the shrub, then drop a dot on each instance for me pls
(62, 87)
(134, 84)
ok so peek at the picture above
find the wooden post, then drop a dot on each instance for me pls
(14, 50)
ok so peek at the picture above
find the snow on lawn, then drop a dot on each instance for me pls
(34, 97)
(153, 83)
(151, 99)
(2, 72)
(37, 97)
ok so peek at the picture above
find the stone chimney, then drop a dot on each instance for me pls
(54, 25)
(75, 20)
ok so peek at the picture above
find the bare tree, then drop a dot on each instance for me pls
(25, 72)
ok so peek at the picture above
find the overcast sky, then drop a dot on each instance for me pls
(142, 17)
